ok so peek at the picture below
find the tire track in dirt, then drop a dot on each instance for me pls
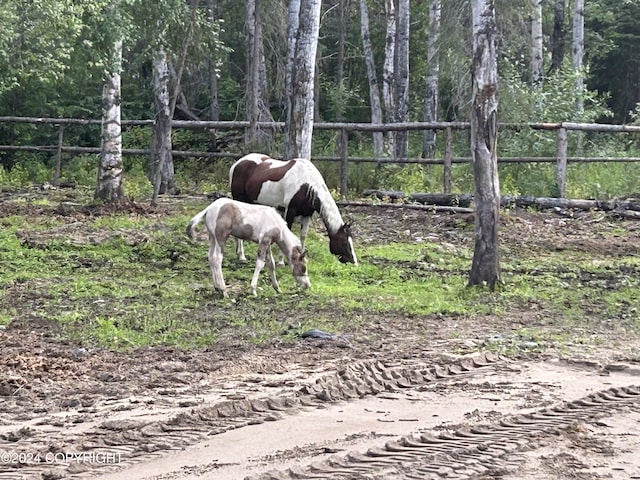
(463, 454)
(133, 440)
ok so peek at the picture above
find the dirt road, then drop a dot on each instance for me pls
(407, 397)
(426, 415)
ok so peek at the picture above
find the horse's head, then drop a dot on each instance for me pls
(299, 267)
(341, 245)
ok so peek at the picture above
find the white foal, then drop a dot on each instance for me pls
(258, 223)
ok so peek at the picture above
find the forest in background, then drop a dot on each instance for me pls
(54, 54)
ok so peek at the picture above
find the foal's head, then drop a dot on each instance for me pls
(299, 267)
(341, 245)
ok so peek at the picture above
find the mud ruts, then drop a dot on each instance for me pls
(463, 454)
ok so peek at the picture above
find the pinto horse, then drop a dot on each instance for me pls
(296, 186)
(258, 223)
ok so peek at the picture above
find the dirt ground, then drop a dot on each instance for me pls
(388, 406)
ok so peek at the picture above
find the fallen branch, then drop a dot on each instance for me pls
(410, 206)
(465, 201)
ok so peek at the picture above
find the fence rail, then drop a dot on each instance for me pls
(561, 159)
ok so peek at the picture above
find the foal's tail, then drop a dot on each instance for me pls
(191, 228)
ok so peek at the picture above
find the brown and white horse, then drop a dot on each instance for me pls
(258, 223)
(296, 186)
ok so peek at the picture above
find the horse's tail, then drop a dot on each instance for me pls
(191, 228)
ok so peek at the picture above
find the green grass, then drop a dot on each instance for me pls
(123, 281)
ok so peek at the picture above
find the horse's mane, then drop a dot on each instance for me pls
(320, 196)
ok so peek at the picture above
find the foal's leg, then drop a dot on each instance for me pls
(272, 269)
(264, 255)
(240, 250)
(215, 262)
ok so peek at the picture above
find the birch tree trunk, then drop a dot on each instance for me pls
(557, 37)
(299, 121)
(401, 67)
(536, 43)
(161, 159)
(374, 91)
(388, 77)
(293, 24)
(485, 267)
(213, 9)
(432, 84)
(252, 85)
(110, 170)
(577, 52)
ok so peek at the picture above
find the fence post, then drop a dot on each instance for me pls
(448, 156)
(561, 163)
(344, 161)
(56, 174)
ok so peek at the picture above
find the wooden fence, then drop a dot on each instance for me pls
(449, 128)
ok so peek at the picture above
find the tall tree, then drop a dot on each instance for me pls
(432, 80)
(557, 37)
(401, 77)
(485, 267)
(110, 170)
(300, 112)
(374, 91)
(577, 51)
(257, 107)
(161, 158)
(213, 17)
(388, 77)
(536, 42)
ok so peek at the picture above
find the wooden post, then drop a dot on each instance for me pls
(561, 163)
(344, 161)
(448, 157)
(56, 174)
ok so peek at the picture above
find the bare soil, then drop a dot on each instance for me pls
(385, 405)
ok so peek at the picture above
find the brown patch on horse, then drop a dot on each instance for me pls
(229, 223)
(302, 204)
(249, 176)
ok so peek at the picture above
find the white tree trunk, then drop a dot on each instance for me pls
(536, 43)
(214, 107)
(485, 268)
(293, 24)
(252, 85)
(577, 51)
(299, 122)
(401, 71)
(432, 83)
(110, 171)
(388, 77)
(374, 91)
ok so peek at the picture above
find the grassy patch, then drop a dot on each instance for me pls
(129, 280)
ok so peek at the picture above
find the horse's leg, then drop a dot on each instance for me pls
(304, 228)
(240, 250)
(215, 262)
